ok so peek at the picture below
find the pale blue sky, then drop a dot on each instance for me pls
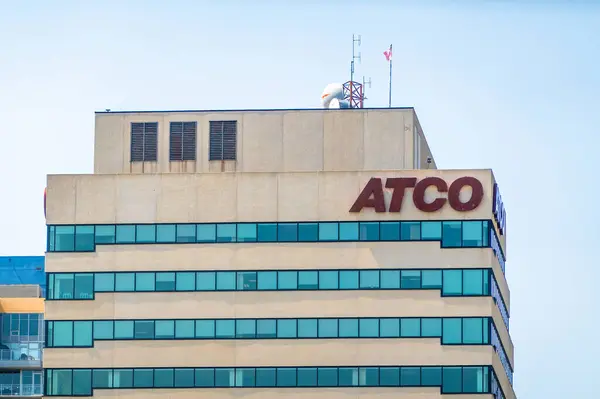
(508, 85)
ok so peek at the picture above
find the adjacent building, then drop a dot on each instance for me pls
(302, 254)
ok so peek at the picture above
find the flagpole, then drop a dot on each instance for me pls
(390, 93)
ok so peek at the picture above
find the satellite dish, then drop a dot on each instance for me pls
(333, 96)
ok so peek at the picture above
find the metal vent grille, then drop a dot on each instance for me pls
(223, 141)
(182, 137)
(144, 141)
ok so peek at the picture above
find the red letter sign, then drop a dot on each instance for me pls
(399, 185)
(454, 194)
(419, 194)
(364, 200)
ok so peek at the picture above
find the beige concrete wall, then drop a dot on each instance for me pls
(269, 141)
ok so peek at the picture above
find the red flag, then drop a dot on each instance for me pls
(388, 54)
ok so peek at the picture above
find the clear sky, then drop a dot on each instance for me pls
(508, 85)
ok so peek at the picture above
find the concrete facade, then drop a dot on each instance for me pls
(292, 166)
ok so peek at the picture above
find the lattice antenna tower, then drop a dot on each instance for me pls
(354, 91)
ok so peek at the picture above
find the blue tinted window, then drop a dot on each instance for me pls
(206, 233)
(369, 279)
(105, 234)
(245, 377)
(410, 231)
(205, 281)
(266, 328)
(185, 281)
(225, 281)
(472, 234)
(63, 333)
(104, 282)
(328, 328)
(246, 281)
(308, 280)
(307, 328)
(389, 376)
(165, 281)
(451, 234)
(327, 377)
(349, 279)
(145, 233)
(65, 238)
(328, 231)
(308, 232)
(125, 234)
(186, 233)
(348, 328)
(452, 280)
(246, 232)
(123, 378)
(245, 329)
(486, 282)
(266, 377)
(287, 280)
(328, 280)
(64, 285)
(411, 279)
(225, 328)
(226, 232)
(369, 231)
(431, 231)
(143, 378)
(348, 377)
(143, 329)
(287, 232)
(369, 328)
(410, 327)
(452, 380)
(164, 329)
(486, 233)
(431, 376)
(84, 286)
(103, 329)
(431, 279)
(205, 328)
(144, 282)
(267, 232)
(307, 377)
(184, 328)
(390, 279)
(472, 282)
(474, 380)
(368, 376)
(82, 382)
(123, 329)
(184, 378)
(431, 327)
(389, 231)
(286, 328)
(204, 377)
(84, 238)
(389, 328)
(267, 280)
(286, 377)
(452, 331)
(472, 331)
(124, 282)
(410, 376)
(224, 378)
(349, 231)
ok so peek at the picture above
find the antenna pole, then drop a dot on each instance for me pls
(390, 90)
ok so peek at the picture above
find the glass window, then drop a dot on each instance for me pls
(389, 231)
(328, 231)
(105, 234)
(245, 377)
(307, 377)
(103, 329)
(123, 329)
(286, 328)
(369, 328)
(84, 286)
(145, 282)
(163, 378)
(225, 329)
(368, 376)
(224, 377)
(410, 376)
(390, 328)
(286, 377)
(206, 233)
(205, 377)
(246, 281)
(267, 280)
(186, 233)
(287, 280)
(349, 328)
(266, 328)
(185, 281)
(411, 279)
(164, 329)
(486, 282)
(308, 280)
(103, 378)
(104, 282)
(348, 377)
(410, 231)
(245, 329)
(63, 333)
(205, 281)
(123, 378)
(307, 328)
(389, 376)
(165, 233)
(184, 328)
(124, 282)
(431, 376)
(369, 279)
(226, 232)
(390, 279)
(349, 279)
(349, 231)
(431, 231)
(327, 377)
(308, 232)
(205, 328)
(82, 382)
(474, 380)
(451, 380)
(125, 234)
(328, 328)
(184, 378)
(145, 233)
(246, 232)
(165, 281)
(328, 280)
(287, 232)
(452, 331)
(473, 282)
(410, 327)
(84, 238)
(265, 377)
(431, 327)
(452, 282)
(82, 333)
(226, 281)
(472, 331)
(431, 279)
(369, 231)
(472, 234)
(65, 238)
(144, 329)
(451, 234)
(267, 232)
(143, 378)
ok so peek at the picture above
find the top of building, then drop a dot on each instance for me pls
(110, 111)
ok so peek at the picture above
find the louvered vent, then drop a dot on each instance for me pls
(144, 140)
(182, 139)
(223, 140)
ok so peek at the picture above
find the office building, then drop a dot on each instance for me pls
(305, 254)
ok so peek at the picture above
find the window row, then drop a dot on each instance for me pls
(451, 380)
(495, 293)
(497, 344)
(451, 282)
(452, 331)
(451, 234)
(21, 327)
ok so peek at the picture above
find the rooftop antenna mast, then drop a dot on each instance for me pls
(355, 39)
(353, 91)
(364, 92)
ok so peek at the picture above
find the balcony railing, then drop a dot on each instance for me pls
(20, 390)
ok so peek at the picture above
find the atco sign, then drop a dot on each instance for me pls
(372, 195)
(498, 209)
